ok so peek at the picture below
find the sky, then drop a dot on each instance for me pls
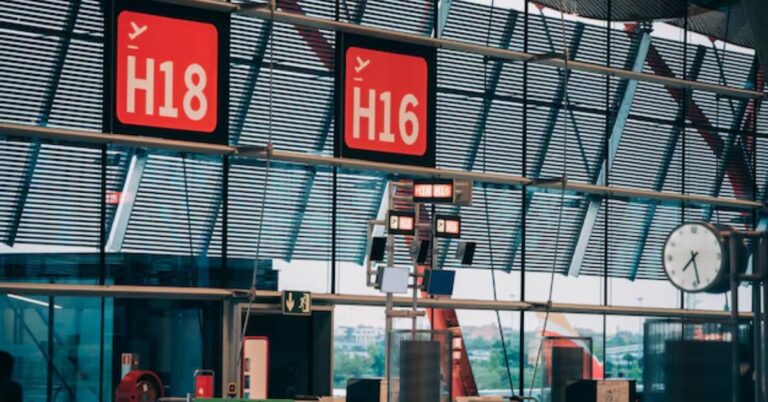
(661, 30)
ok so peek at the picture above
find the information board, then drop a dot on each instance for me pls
(166, 69)
(385, 100)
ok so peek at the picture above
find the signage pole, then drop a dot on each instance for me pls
(389, 302)
(735, 358)
(416, 239)
(760, 255)
(757, 314)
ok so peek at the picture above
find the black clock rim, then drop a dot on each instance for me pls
(723, 267)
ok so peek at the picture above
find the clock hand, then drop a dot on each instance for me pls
(695, 267)
(688, 264)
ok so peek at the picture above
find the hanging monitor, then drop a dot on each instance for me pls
(401, 222)
(439, 282)
(447, 226)
(385, 100)
(393, 279)
(433, 191)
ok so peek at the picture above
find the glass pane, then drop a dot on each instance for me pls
(25, 322)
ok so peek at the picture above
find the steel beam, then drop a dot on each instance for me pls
(506, 54)
(320, 48)
(254, 69)
(541, 155)
(90, 137)
(236, 130)
(493, 82)
(305, 159)
(661, 175)
(128, 196)
(485, 111)
(320, 299)
(731, 151)
(740, 166)
(619, 123)
(444, 9)
(210, 5)
(45, 113)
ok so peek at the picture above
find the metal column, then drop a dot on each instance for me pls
(593, 209)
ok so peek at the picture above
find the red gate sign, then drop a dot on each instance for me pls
(386, 107)
(387, 101)
(167, 71)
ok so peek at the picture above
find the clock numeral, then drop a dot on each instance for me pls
(694, 229)
(719, 256)
(669, 257)
(673, 244)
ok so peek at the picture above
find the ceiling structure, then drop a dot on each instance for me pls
(50, 194)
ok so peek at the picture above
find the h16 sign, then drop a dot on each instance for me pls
(167, 67)
(385, 101)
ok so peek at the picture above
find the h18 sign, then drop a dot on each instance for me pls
(168, 73)
(386, 101)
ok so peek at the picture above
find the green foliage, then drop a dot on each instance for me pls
(354, 365)
(487, 358)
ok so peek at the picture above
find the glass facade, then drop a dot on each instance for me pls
(73, 214)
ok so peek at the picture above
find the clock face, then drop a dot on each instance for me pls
(693, 257)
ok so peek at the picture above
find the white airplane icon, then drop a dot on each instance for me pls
(137, 30)
(361, 64)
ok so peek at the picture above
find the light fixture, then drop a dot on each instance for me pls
(33, 301)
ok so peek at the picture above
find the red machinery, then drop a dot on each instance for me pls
(139, 386)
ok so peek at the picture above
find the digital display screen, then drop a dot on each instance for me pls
(422, 190)
(447, 226)
(401, 222)
(433, 191)
(443, 190)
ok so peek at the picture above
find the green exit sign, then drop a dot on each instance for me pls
(297, 303)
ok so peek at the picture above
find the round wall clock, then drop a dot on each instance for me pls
(696, 257)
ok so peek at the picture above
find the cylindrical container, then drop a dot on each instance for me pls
(421, 369)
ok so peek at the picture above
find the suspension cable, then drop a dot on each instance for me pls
(489, 101)
(254, 274)
(722, 82)
(563, 182)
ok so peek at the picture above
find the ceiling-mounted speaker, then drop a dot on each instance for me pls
(420, 251)
(377, 248)
(465, 252)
